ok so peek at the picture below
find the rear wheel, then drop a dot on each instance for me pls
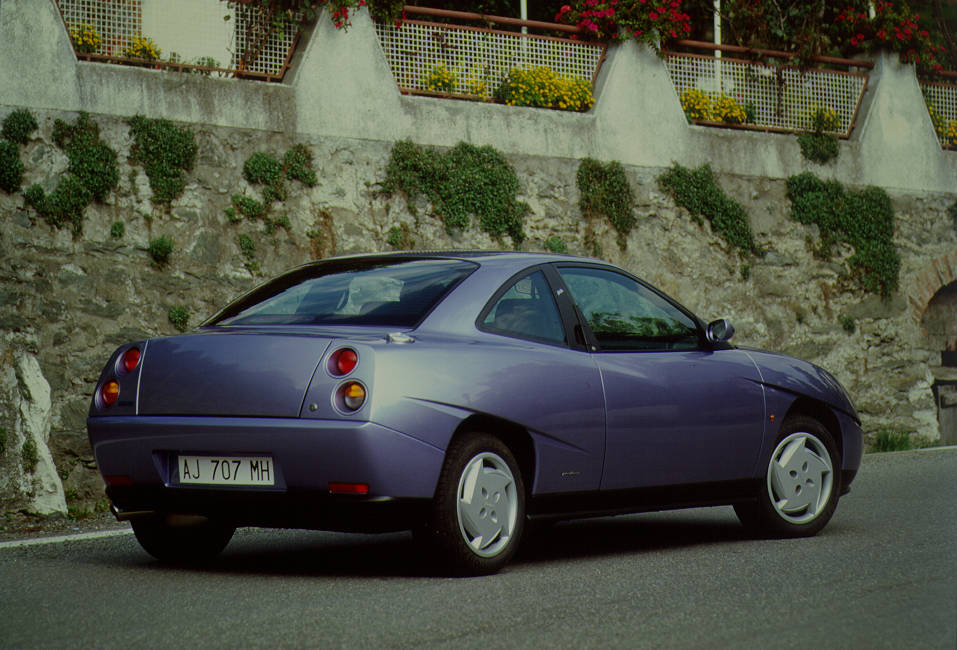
(478, 511)
(801, 485)
(182, 544)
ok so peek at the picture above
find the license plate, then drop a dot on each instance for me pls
(226, 470)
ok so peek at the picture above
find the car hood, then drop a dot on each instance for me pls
(229, 373)
(802, 377)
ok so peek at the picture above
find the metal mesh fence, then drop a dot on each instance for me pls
(258, 47)
(116, 21)
(942, 103)
(478, 57)
(778, 97)
(203, 32)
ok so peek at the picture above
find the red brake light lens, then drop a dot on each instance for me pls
(343, 361)
(110, 393)
(348, 488)
(130, 359)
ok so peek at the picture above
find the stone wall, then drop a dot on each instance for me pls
(66, 302)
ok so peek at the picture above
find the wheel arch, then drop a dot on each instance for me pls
(821, 412)
(513, 435)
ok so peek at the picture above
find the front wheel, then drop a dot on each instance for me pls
(189, 544)
(478, 511)
(801, 485)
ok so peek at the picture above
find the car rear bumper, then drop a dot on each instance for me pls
(138, 457)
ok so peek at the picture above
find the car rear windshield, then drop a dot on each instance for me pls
(393, 292)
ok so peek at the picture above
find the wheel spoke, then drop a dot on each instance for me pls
(484, 505)
(799, 477)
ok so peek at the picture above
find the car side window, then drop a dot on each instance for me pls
(527, 310)
(626, 315)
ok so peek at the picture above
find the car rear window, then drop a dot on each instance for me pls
(394, 292)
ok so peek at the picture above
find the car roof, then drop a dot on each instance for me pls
(517, 259)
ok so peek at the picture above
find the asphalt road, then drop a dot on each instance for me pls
(883, 574)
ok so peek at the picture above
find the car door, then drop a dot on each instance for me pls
(678, 409)
(553, 384)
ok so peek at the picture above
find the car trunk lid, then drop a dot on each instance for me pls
(229, 373)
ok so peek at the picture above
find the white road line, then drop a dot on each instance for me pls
(76, 537)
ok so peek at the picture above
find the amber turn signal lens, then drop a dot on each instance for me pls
(353, 395)
(110, 393)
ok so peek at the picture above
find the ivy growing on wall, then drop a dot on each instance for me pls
(166, 153)
(463, 182)
(91, 175)
(604, 192)
(698, 191)
(863, 219)
(17, 127)
(267, 170)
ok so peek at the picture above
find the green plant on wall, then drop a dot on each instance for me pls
(166, 153)
(462, 182)
(178, 315)
(820, 144)
(160, 249)
(91, 175)
(18, 125)
(604, 192)
(556, 244)
(863, 219)
(11, 167)
(265, 169)
(117, 230)
(30, 456)
(400, 237)
(698, 191)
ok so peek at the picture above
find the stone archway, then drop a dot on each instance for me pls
(939, 323)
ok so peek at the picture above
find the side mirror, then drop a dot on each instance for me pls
(720, 331)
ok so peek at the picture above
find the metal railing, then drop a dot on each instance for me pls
(777, 97)
(479, 57)
(204, 36)
(941, 98)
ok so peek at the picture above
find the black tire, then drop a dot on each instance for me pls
(801, 483)
(454, 532)
(187, 544)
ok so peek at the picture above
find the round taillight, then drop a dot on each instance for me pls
(130, 359)
(343, 361)
(353, 395)
(109, 393)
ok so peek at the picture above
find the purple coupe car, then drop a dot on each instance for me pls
(460, 395)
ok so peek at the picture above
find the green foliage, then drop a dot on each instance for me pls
(605, 192)
(247, 246)
(952, 211)
(91, 175)
(698, 191)
(18, 125)
(166, 152)
(891, 440)
(297, 165)
(863, 219)
(745, 272)
(465, 181)
(160, 249)
(556, 244)
(820, 145)
(847, 322)
(30, 456)
(3, 440)
(179, 316)
(248, 206)
(400, 237)
(820, 148)
(263, 169)
(11, 167)
(117, 230)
